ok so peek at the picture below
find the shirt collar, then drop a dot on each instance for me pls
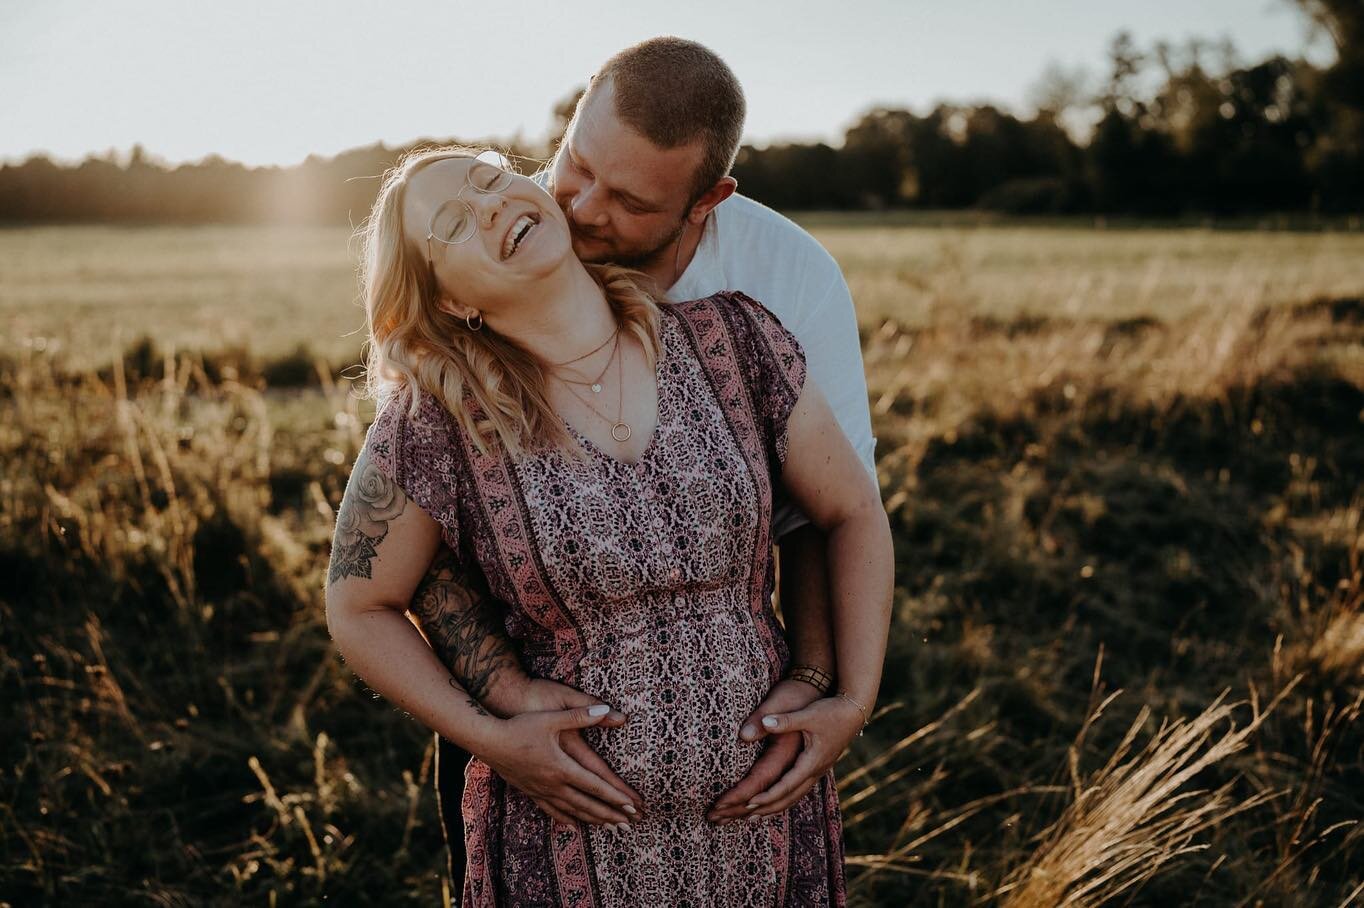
(703, 275)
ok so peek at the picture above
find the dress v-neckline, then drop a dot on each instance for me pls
(658, 408)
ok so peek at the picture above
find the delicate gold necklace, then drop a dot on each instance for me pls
(620, 429)
(575, 359)
(595, 384)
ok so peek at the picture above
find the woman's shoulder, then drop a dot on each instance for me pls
(403, 431)
(733, 307)
(738, 314)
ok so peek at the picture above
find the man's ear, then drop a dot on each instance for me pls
(723, 189)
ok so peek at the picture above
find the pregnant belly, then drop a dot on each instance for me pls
(685, 682)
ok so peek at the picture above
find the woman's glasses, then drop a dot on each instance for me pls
(455, 220)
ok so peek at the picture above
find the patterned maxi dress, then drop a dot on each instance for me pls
(647, 585)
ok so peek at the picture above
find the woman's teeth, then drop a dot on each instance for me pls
(518, 233)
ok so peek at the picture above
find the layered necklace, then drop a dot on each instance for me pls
(620, 429)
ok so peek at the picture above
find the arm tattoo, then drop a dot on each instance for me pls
(370, 502)
(463, 622)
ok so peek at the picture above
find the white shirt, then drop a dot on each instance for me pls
(747, 246)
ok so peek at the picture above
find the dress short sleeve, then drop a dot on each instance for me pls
(417, 454)
(774, 364)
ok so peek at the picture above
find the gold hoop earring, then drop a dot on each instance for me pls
(468, 320)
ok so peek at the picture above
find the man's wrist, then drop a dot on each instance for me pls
(812, 675)
(483, 734)
(507, 693)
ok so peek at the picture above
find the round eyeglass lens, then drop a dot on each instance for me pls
(485, 177)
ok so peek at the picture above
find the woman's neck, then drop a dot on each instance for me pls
(569, 319)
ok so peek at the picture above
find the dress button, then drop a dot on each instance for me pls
(675, 574)
(658, 523)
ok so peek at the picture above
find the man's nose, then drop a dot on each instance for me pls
(588, 206)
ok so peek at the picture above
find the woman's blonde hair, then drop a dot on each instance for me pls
(413, 343)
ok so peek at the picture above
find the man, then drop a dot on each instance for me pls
(642, 175)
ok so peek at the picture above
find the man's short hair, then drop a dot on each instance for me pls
(673, 91)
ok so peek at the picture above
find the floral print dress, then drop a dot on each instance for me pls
(647, 584)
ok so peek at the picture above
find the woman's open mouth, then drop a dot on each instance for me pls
(521, 228)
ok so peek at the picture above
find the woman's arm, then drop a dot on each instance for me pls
(364, 619)
(825, 477)
(383, 546)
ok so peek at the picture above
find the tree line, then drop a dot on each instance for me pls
(1174, 130)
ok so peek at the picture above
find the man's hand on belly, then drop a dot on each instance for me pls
(781, 753)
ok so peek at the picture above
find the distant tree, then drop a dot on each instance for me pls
(1125, 62)
(1059, 90)
(1336, 158)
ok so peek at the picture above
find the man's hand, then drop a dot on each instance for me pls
(781, 754)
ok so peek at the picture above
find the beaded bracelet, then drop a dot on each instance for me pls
(866, 719)
(816, 677)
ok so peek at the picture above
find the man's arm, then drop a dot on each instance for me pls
(463, 624)
(804, 597)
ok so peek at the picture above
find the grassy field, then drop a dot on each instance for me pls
(1123, 469)
(90, 290)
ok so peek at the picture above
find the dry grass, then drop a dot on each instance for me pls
(1178, 492)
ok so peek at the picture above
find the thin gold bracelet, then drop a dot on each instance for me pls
(866, 718)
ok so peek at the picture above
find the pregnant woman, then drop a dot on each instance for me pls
(609, 463)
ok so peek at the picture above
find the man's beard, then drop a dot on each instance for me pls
(639, 260)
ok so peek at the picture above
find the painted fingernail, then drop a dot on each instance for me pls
(751, 805)
(748, 732)
(600, 709)
(628, 808)
(769, 721)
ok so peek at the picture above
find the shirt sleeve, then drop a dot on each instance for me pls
(415, 453)
(774, 365)
(829, 322)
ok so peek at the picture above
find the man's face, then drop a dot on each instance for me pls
(625, 198)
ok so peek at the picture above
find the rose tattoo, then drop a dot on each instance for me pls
(370, 502)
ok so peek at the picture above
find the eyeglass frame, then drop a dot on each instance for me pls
(473, 215)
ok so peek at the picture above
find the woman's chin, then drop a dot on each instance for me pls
(545, 247)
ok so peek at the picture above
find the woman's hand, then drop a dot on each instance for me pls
(786, 696)
(542, 753)
(541, 694)
(827, 726)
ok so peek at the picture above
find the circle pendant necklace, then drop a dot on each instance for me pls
(620, 429)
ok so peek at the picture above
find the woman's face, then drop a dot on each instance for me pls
(517, 235)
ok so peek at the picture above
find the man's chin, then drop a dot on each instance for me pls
(598, 252)
(593, 252)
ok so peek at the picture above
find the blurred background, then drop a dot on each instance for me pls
(1108, 264)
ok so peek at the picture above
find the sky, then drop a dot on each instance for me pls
(270, 83)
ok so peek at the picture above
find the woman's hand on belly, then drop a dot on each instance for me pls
(786, 696)
(827, 726)
(542, 695)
